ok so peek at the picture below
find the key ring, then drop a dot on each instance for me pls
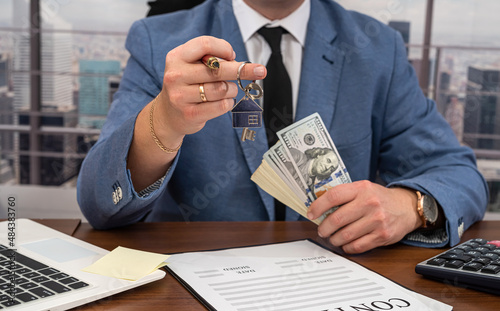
(250, 87)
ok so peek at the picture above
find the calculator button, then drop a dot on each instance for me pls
(495, 251)
(473, 253)
(480, 241)
(465, 248)
(491, 256)
(473, 244)
(483, 260)
(473, 266)
(495, 242)
(456, 251)
(451, 256)
(491, 269)
(482, 250)
(489, 246)
(455, 264)
(436, 261)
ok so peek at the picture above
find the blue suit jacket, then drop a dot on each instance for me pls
(355, 73)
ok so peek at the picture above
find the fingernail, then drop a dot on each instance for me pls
(234, 55)
(320, 235)
(259, 71)
(310, 216)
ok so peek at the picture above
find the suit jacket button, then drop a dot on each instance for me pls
(119, 193)
(115, 198)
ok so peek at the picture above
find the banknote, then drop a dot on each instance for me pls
(279, 161)
(316, 161)
(302, 166)
(267, 178)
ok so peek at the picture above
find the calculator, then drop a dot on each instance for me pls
(473, 264)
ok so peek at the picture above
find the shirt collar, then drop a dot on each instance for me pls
(250, 20)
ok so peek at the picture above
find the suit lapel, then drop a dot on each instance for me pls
(322, 64)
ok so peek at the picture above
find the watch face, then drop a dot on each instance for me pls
(430, 209)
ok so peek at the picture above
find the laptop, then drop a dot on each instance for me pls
(47, 269)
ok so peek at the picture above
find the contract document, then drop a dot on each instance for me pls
(299, 275)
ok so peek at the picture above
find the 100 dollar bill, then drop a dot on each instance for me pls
(302, 166)
(314, 156)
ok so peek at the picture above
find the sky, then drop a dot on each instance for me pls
(459, 22)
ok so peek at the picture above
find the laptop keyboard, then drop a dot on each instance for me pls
(24, 280)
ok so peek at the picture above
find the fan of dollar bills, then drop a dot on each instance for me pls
(302, 166)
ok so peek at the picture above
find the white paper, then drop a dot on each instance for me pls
(291, 276)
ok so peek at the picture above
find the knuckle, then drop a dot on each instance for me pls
(346, 235)
(365, 184)
(336, 218)
(331, 195)
(354, 248)
(246, 71)
(380, 218)
(171, 76)
(373, 202)
(205, 42)
(169, 58)
(220, 89)
(385, 234)
(216, 74)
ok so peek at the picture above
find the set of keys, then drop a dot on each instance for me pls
(247, 113)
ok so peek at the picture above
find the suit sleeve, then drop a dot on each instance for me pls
(104, 191)
(420, 151)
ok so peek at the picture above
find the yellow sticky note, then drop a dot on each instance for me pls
(128, 264)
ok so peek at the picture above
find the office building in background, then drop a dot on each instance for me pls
(55, 57)
(58, 169)
(6, 108)
(56, 93)
(96, 88)
(4, 74)
(482, 108)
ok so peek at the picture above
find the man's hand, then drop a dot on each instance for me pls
(180, 107)
(369, 216)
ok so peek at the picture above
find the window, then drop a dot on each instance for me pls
(253, 119)
(464, 68)
(52, 114)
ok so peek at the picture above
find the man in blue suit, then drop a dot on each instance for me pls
(168, 150)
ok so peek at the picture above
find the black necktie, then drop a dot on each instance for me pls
(278, 112)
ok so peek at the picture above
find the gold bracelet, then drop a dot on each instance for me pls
(151, 129)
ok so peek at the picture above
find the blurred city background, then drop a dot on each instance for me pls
(60, 67)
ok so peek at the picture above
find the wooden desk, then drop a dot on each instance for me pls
(396, 262)
(66, 226)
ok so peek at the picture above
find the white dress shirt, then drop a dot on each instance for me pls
(292, 43)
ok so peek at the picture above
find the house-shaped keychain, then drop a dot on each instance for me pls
(247, 113)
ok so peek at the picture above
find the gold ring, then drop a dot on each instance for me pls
(202, 93)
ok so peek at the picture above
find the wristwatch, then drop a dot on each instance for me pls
(427, 209)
